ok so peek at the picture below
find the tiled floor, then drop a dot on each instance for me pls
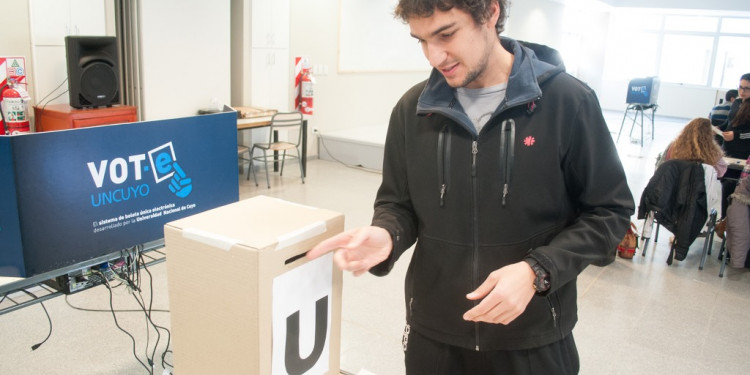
(636, 316)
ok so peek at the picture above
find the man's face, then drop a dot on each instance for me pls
(456, 46)
(744, 89)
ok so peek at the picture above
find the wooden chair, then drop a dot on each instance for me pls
(275, 150)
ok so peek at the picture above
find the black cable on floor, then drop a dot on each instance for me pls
(36, 346)
(112, 309)
(106, 311)
(151, 300)
(148, 320)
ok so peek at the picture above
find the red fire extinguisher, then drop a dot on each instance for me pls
(305, 93)
(15, 109)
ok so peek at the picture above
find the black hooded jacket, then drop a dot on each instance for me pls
(541, 180)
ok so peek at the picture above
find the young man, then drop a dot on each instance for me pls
(720, 112)
(502, 170)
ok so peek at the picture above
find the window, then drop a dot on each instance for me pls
(636, 21)
(632, 55)
(732, 57)
(695, 50)
(686, 59)
(735, 25)
(691, 23)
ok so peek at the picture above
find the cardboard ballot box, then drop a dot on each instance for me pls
(244, 299)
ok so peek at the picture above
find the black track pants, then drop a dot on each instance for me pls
(424, 356)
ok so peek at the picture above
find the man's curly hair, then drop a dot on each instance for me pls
(478, 9)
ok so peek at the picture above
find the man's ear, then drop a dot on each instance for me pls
(494, 14)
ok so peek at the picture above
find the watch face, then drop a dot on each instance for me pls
(541, 283)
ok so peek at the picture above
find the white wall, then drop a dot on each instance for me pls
(350, 99)
(186, 56)
(343, 100)
(186, 50)
(537, 21)
(15, 37)
(186, 53)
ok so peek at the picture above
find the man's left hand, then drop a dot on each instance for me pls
(505, 294)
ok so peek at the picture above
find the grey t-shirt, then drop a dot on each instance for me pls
(481, 103)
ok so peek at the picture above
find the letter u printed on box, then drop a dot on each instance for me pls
(244, 299)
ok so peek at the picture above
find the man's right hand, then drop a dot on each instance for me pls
(356, 250)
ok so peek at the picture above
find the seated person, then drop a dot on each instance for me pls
(743, 92)
(696, 142)
(736, 145)
(720, 113)
(738, 223)
(737, 136)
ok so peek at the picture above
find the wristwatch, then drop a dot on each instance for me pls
(541, 281)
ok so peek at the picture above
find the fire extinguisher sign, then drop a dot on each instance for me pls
(14, 99)
(13, 68)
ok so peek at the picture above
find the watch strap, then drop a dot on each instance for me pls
(541, 279)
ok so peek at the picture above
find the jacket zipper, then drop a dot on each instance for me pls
(507, 141)
(474, 152)
(552, 311)
(475, 271)
(443, 160)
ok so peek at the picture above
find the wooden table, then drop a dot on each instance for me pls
(63, 116)
(734, 163)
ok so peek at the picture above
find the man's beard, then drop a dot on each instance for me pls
(472, 75)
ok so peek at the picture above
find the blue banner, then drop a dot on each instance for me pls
(87, 192)
(11, 250)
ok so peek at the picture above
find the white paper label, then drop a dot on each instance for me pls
(302, 318)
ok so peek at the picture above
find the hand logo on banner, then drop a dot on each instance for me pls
(180, 185)
(164, 164)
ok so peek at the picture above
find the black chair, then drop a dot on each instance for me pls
(684, 197)
(723, 255)
(708, 234)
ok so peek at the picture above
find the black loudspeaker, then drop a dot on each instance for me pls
(93, 71)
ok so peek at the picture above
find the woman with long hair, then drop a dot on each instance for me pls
(737, 137)
(696, 142)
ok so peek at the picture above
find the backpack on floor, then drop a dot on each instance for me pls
(626, 248)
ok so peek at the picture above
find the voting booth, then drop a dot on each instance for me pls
(71, 196)
(245, 299)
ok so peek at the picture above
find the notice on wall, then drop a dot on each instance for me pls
(302, 318)
(13, 68)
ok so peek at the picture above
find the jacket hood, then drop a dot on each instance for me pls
(533, 64)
